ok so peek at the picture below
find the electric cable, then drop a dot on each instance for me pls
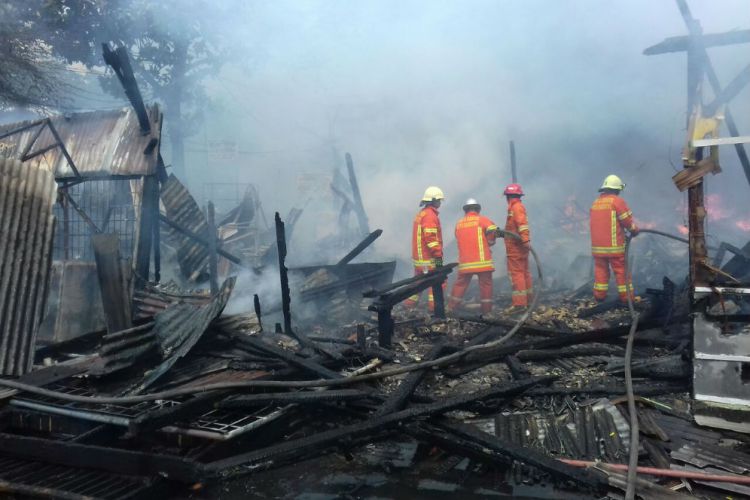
(296, 384)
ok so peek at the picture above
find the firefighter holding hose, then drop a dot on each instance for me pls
(609, 220)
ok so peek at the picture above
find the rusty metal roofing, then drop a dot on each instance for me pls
(27, 196)
(100, 143)
(182, 208)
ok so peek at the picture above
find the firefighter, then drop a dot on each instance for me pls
(475, 234)
(518, 251)
(427, 240)
(610, 218)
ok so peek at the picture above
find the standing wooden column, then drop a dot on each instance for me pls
(213, 264)
(283, 276)
(513, 172)
(148, 219)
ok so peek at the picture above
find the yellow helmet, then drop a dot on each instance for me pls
(612, 182)
(433, 193)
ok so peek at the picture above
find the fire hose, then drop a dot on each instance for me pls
(297, 384)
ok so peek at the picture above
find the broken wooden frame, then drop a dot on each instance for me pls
(395, 293)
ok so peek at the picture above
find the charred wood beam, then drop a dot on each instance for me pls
(290, 358)
(572, 352)
(64, 150)
(528, 329)
(149, 218)
(112, 282)
(101, 458)
(213, 261)
(517, 370)
(649, 389)
(69, 199)
(681, 43)
(200, 239)
(319, 442)
(24, 128)
(398, 399)
(359, 208)
(360, 247)
(120, 62)
(284, 398)
(729, 92)
(513, 172)
(416, 280)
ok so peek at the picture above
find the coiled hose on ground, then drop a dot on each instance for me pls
(297, 384)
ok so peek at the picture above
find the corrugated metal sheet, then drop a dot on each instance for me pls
(27, 195)
(99, 142)
(180, 327)
(182, 209)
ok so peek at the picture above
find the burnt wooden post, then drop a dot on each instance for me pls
(360, 247)
(364, 226)
(385, 328)
(361, 339)
(115, 296)
(513, 173)
(439, 299)
(256, 306)
(148, 219)
(213, 260)
(283, 276)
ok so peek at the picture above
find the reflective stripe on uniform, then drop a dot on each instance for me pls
(523, 227)
(433, 244)
(521, 292)
(608, 250)
(601, 286)
(474, 265)
(430, 230)
(422, 263)
(614, 227)
(420, 257)
(480, 244)
(625, 215)
(624, 288)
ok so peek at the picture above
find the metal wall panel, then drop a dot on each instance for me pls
(27, 195)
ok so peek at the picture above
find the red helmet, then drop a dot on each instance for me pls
(513, 189)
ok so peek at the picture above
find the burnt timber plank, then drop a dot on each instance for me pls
(397, 400)
(115, 296)
(284, 398)
(101, 458)
(289, 357)
(318, 443)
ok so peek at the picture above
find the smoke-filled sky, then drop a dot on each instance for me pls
(430, 92)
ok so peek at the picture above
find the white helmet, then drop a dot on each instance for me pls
(472, 202)
(433, 193)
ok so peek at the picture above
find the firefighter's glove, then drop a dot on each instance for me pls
(437, 262)
(634, 232)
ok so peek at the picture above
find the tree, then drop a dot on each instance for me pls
(26, 75)
(174, 45)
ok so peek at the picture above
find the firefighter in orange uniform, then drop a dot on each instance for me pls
(518, 251)
(610, 218)
(427, 240)
(475, 234)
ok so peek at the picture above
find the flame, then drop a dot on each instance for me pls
(683, 229)
(743, 225)
(715, 209)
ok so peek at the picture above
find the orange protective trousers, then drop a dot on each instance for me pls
(520, 277)
(601, 277)
(485, 290)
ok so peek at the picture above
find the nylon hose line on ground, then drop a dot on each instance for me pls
(295, 384)
(634, 429)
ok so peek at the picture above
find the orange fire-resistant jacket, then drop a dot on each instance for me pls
(518, 223)
(610, 216)
(427, 238)
(475, 234)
